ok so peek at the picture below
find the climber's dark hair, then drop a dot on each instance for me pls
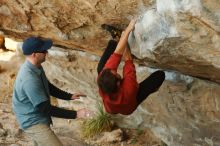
(107, 81)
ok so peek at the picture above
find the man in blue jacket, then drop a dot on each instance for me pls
(31, 96)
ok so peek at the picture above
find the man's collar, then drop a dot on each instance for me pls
(33, 67)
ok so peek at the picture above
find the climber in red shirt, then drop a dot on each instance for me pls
(123, 95)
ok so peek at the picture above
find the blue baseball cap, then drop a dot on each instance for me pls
(36, 44)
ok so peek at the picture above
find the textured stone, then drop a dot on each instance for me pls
(179, 35)
(111, 137)
(74, 24)
(3, 132)
(185, 110)
(170, 34)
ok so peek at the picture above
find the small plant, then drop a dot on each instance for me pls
(101, 122)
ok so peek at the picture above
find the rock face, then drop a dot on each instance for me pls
(74, 24)
(179, 35)
(185, 110)
(171, 34)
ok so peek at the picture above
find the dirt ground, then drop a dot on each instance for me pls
(67, 130)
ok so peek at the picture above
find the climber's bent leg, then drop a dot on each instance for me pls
(150, 85)
(112, 44)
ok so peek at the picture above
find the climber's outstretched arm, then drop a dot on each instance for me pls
(124, 38)
(127, 53)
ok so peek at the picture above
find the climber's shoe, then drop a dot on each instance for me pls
(115, 32)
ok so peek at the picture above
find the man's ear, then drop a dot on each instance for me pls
(33, 54)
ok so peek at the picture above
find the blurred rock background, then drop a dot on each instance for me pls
(181, 37)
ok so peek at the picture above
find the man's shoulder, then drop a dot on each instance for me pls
(26, 74)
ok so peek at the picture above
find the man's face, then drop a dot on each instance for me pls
(40, 56)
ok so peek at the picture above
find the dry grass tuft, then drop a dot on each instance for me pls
(101, 122)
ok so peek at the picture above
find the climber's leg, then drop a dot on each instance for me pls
(150, 85)
(107, 53)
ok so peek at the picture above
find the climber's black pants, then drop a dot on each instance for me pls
(112, 44)
(146, 87)
(150, 85)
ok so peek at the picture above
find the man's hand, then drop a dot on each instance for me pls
(84, 113)
(77, 95)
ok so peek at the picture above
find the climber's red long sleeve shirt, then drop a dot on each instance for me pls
(124, 101)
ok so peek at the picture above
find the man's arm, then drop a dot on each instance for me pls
(49, 110)
(38, 97)
(56, 92)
